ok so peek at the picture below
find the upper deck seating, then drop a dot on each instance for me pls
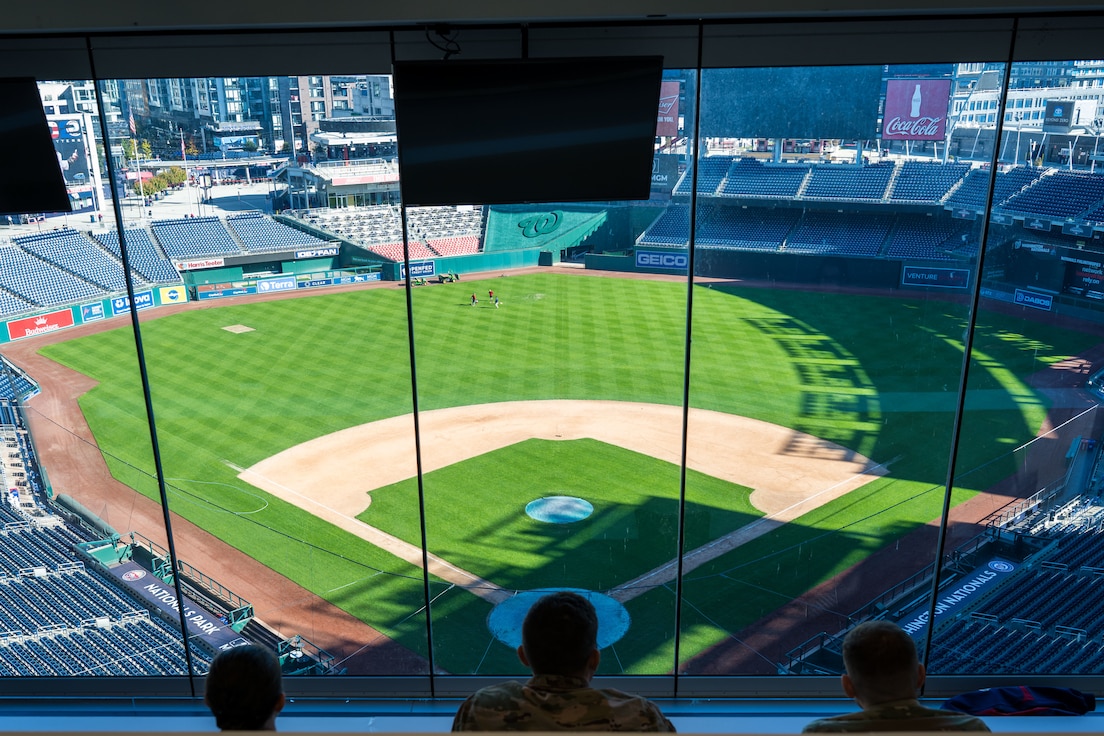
(145, 257)
(74, 252)
(194, 236)
(924, 181)
(751, 177)
(260, 233)
(847, 182)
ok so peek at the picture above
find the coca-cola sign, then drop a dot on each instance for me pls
(916, 109)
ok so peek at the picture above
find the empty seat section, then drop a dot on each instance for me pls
(42, 283)
(751, 177)
(74, 252)
(145, 257)
(259, 233)
(844, 182)
(194, 236)
(923, 181)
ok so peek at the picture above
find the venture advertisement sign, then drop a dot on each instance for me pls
(40, 325)
(916, 109)
(945, 278)
(667, 120)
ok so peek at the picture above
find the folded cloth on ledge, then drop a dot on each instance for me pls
(1023, 700)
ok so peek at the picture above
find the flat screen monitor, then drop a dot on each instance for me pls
(30, 175)
(544, 130)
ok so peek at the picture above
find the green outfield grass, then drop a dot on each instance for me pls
(875, 374)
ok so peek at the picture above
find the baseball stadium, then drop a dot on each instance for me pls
(815, 379)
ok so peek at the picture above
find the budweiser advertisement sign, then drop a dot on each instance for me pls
(916, 109)
(40, 325)
(668, 117)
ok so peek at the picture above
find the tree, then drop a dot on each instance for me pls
(190, 149)
(250, 146)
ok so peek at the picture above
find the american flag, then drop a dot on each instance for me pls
(133, 127)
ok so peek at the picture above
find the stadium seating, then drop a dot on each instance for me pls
(40, 283)
(672, 228)
(711, 173)
(925, 181)
(75, 253)
(839, 234)
(259, 233)
(930, 237)
(1061, 194)
(751, 177)
(974, 191)
(746, 229)
(846, 182)
(194, 236)
(145, 257)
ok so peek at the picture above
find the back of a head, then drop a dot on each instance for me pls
(881, 661)
(244, 688)
(559, 634)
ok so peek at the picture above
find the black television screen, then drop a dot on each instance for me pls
(30, 176)
(545, 130)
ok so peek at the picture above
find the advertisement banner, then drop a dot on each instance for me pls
(997, 218)
(196, 265)
(317, 253)
(314, 283)
(142, 300)
(40, 325)
(419, 269)
(668, 117)
(663, 259)
(1058, 117)
(916, 109)
(230, 291)
(952, 601)
(944, 278)
(1038, 224)
(664, 172)
(359, 278)
(1077, 230)
(283, 283)
(1034, 299)
(173, 294)
(92, 312)
(70, 144)
(201, 622)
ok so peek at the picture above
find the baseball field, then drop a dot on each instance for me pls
(820, 434)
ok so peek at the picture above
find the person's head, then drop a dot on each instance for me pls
(881, 664)
(559, 636)
(244, 689)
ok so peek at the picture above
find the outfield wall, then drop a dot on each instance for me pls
(475, 263)
(869, 273)
(61, 318)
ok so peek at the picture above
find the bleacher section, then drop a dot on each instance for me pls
(259, 233)
(845, 182)
(194, 236)
(839, 234)
(924, 181)
(672, 229)
(432, 231)
(931, 238)
(974, 191)
(145, 257)
(750, 229)
(1061, 194)
(75, 253)
(712, 170)
(40, 283)
(751, 177)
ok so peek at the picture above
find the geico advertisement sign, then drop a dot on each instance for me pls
(655, 259)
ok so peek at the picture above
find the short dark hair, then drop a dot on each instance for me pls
(559, 634)
(243, 687)
(881, 661)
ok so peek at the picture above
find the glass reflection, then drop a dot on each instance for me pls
(831, 296)
(1017, 589)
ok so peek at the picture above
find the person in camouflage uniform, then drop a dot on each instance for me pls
(244, 689)
(883, 675)
(559, 644)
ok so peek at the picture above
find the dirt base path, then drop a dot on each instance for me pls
(790, 472)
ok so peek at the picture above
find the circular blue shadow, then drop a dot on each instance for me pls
(504, 620)
(559, 509)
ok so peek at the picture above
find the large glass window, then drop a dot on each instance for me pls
(841, 364)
